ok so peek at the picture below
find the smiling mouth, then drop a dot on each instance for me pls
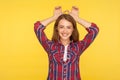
(64, 34)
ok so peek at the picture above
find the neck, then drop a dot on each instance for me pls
(65, 42)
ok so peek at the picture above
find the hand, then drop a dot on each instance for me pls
(57, 12)
(74, 13)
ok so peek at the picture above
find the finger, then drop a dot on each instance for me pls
(74, 7)
(58, 7)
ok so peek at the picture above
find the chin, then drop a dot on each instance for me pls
(65, 38)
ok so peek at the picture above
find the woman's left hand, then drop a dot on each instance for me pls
(74, 12)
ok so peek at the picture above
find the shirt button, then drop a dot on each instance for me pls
(64, 66)
(64, 71)
(65, 79)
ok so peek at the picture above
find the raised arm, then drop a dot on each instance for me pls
(57, 13)
(91, 28)
(75, 14)
(39, 27)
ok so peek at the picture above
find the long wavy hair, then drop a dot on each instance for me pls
(75, 35)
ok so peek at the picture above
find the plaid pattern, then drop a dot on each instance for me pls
(58, 69)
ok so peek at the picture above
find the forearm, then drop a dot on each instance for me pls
(83, 22)
(90, 36)
(48, 21)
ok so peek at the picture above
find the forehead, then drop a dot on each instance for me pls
(64, 22)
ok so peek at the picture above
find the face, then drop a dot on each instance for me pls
(65, 29)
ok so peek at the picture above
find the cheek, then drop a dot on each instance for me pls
(70, 31)
(60, 30)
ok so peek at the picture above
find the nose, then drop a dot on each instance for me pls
(64, 30)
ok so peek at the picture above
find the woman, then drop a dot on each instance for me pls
(65, 48)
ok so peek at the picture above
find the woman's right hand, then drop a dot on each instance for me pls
(57, 12)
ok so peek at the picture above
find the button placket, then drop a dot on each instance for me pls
(65, 73)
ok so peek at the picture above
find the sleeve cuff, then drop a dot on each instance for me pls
(92, 25)
(38, 24)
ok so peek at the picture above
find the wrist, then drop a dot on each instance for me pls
(53, 18)
(77, 19)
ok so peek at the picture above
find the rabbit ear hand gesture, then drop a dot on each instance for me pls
(57, 12)
(74, 12)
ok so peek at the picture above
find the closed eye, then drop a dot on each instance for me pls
(69, 27)
(60, 26)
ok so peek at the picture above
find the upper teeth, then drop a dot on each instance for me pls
(64, 34)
